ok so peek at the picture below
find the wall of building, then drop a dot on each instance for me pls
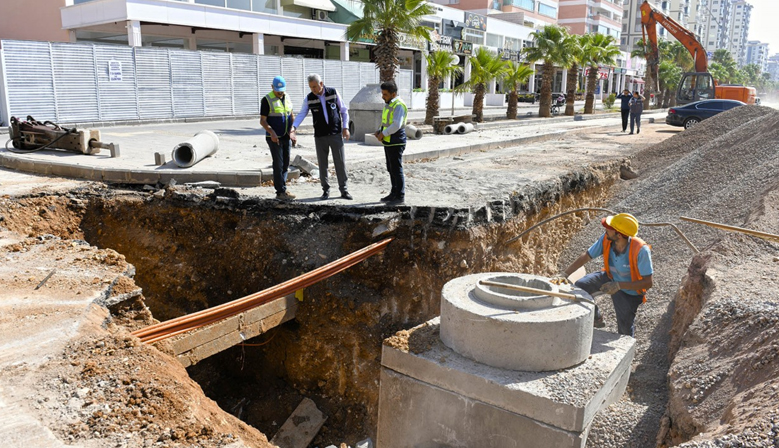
(32, 20)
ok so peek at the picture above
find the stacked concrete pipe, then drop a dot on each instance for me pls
(451, 129)
(464, 128)
(197, 148)
(412, 133)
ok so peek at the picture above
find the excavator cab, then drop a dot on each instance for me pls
(695, 87)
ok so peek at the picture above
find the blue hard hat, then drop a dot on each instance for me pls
(279, 84)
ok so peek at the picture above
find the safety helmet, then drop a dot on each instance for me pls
(624, 223)
(279, 84)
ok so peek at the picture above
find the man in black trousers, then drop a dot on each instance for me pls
(625, 96)
(392, 135)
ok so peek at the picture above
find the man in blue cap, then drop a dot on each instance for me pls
(276, 118)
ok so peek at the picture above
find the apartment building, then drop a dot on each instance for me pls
(756, 52)
(741, 13)
(599, 16)
(631, 22)
(531, 13)
(715, 18)
(772, 67)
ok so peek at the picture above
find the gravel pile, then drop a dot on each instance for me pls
(718, 171)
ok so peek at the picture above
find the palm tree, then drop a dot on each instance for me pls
(547, 46)
(386, 20)
(669, 75)
(641, 50)
(574, 45)
(515, 75)
(599, 49)
(485, 67)
(440, 65)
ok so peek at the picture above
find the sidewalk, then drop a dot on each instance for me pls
(243, 158)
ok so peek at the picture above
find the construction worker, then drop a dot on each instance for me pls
(331, 128)
(393, 136)
(276, 118)
(627, 273)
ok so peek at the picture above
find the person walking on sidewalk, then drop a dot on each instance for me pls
(625, 97)
(276, 117)
(392, 135)
(627, 270)
(636, 108)
(331, 129)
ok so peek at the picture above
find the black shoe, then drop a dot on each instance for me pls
(396, 200)
(638, 131)
(388, 198)
(346, 195)
(325, 195)
(630, 133)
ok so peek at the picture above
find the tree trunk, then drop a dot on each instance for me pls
(478, 103)
(672, 103)
(511, 112)
(545, 103)
(592, 79)
(650, 82)
(387, 54)
(432, 99)
(570, 89)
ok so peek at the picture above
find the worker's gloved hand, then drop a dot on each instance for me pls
(610, 287)
(560, 279)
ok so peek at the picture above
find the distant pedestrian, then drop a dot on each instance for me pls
(276, 117)
(625, 97)
(331, 128)
(636, 108)
(393, 136)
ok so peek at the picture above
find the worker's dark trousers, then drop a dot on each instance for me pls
(280, 154)
(324, 145)
(625, 305)
(394, 156)
(635, 119)
(625, 115)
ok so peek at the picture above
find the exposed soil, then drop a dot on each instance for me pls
(193, 249)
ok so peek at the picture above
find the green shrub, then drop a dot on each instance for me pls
(609, 100)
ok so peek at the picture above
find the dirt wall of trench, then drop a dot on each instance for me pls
(192, 251)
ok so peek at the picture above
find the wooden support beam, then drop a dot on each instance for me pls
(196, 345)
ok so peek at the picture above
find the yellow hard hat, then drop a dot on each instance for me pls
(624, 223)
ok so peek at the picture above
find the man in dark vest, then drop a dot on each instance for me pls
(331, 128)
(276, 117)
(392, 135)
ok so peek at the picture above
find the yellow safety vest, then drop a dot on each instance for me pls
(387, 119)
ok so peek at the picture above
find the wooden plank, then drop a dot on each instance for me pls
(301, 427)
(237, 323)
(225, 341)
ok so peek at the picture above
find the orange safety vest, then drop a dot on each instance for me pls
(635, 246)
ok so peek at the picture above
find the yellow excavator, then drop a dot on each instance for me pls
(695, 86)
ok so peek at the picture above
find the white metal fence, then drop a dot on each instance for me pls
(78, 83)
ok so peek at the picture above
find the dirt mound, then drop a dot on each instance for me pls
(719, 170)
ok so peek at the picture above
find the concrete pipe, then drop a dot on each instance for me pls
(450, 129)
(464, 128)
(413, 133)
(197, 148)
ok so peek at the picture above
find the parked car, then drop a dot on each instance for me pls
(691, 114)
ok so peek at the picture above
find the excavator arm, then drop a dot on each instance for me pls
(651, 16)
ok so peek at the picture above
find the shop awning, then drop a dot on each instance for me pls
(324, 5)
(638, 81)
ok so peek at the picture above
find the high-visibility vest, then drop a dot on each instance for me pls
(279, 113)
(635, 246)
(398, 138)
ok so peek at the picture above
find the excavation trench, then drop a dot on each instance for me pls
(193, 250)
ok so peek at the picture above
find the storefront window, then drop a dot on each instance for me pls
(513, 44)
(494, 40)
(268, 6)
(240, 4)
(476, 37)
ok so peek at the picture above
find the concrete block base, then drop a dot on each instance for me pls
(432, 396)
